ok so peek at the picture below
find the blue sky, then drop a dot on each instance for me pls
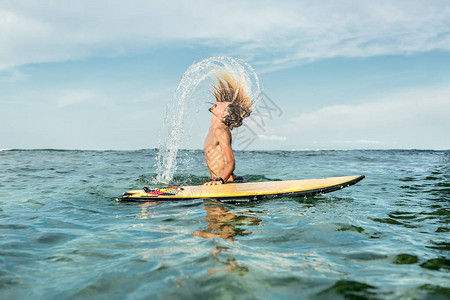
(344, 74)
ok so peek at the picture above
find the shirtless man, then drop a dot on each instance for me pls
(231, 107)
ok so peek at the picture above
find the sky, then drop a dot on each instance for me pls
(335, 74)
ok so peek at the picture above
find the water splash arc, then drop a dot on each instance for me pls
(184, 101)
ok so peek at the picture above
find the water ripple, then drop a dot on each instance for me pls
(64, 236)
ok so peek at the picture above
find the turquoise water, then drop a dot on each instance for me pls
(63, 235)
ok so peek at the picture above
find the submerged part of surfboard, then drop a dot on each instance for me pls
(244, 192)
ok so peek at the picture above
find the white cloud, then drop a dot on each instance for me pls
(271, 137)
(274, 34)
(358, 142)
(419, 118)
(71, 97)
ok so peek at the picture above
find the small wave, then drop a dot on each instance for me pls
(7, 149)
(178, 179)
(191, 179)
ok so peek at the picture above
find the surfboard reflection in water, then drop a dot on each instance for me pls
(146, 213)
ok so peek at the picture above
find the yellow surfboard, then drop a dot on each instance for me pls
(244, 192)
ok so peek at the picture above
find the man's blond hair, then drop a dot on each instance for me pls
(231, 89)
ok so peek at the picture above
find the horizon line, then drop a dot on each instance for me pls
(235, 150)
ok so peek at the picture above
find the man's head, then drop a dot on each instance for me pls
(232, 103)
(220, 110)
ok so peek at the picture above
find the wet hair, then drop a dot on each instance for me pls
(230, 89)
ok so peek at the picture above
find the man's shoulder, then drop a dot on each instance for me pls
(222, 130)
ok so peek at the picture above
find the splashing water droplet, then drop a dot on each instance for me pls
(184, 99)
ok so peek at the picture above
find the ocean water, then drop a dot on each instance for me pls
(63, 235)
